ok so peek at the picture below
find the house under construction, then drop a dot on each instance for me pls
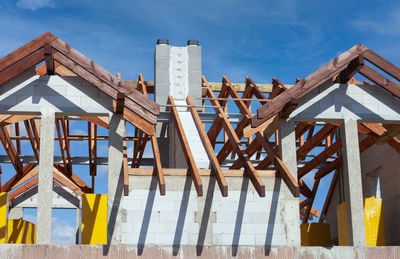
(235, 168)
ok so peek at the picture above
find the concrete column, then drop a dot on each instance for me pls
(45, 186)
(352, 182)
(115, 178)
(287, 151)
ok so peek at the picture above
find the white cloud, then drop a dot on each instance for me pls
(35, 4)
(62, 232)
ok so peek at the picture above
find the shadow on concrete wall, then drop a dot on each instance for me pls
(182, 215)
(239, 215)
(272, 215)
(206, 216)
(147, 215)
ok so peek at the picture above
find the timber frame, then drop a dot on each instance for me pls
(245, 148)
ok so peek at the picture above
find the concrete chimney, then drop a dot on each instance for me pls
(178, 74)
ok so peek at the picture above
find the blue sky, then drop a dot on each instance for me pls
(286, 39)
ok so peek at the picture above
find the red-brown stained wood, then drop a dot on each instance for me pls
(329, 196)
(186, 148)
(279, 165)
(251, 171)
(382, 63)
(105, 76)
(157, 164)
(380, 80)
(21, 66)
(26, 50)
(308, 84)
(223, 186)
(320, 158)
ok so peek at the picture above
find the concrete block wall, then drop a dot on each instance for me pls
(181, 218)
(32, 93)
(342, 101)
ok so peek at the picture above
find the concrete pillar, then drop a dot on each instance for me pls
(352, 182)
(287, 151)
(45, 186)
(115, 178)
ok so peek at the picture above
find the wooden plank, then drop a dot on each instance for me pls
(32, 173)
(320, 158)
(388, 135)
(10, 150)
(95, 81)
(186, 149)
(223, 186)
(34, 144)
(99, 72)
(253, 147)
(48, 57)
(20, 67)
(380, 80)
(12, 195)
(314, 141)
(382, 63)
(279, 165)
(202, 172)
(311, 82)
(25, 50)
(67, 182)
(378, 130)
(329, 197)
(251, 171)
(157, 164)
(364, 145)
(75, 179)
(98, 120)
(137, 121)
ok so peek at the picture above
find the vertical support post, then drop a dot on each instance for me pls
(352, 182)
(45, 185)
(115, 178)
(287, 152)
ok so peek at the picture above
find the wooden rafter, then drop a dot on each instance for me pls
(251, 171)
(223, 186)
(186, 149)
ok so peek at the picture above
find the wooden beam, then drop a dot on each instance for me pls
(25, 50)
(383, 64)
(380, 80)
(279, 165)
(223, 186)
(320, 158)
(308, 84)
(202, 172)
(48, 57)
(132, 95)
(251, 171)
(329, 196)
(186, 148)
(157, 164)
(20, 67)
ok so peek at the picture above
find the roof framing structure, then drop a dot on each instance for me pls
(247, 147)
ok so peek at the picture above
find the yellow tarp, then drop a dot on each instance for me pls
(94, 219)
(374, 223)
(343, 227)
(21, 232)
(3, 217)
(315, 234)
